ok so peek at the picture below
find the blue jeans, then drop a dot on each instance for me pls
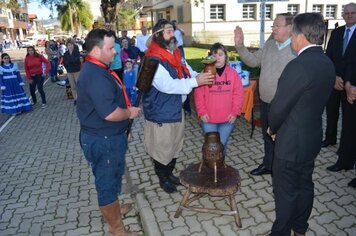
(106, 156)
(54, 67)
(132, 95)
(37, 80)
(224, 130)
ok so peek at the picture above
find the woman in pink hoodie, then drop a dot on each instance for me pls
(219, 106)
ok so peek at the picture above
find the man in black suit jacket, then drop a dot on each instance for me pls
(339, 57)
(295, 120)
(342, 61)
(347, 150)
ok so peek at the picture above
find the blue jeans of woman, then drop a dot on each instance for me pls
(106, 156)
(224, 130)
(54, 68)
(37, 80)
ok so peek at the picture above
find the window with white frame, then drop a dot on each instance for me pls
(217, 12)
(330, 11)
(268, 14)
(293, 9)
(249, 11)
(318, 8)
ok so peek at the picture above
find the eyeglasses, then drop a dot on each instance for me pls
(6, 58)
(278, 26)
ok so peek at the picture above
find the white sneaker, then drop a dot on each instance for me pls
(44, 105)
(61, 83)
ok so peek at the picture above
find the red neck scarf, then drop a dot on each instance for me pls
(104, 66)
(174, 59)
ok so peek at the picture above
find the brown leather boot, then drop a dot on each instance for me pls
(125, 208)
(112, 215)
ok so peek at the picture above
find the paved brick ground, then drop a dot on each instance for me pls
(46, 187)
(334, 211)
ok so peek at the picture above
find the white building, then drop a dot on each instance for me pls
(214, 21)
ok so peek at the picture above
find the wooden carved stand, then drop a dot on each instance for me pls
(200, 180)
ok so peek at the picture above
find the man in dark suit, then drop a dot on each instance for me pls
(342, 50)
(347, 149)
(339, 54)
(295, 120)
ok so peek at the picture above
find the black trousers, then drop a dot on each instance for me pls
(332, 115)
(37, 81)
(293, 189)
(268, 143)
(347, 148)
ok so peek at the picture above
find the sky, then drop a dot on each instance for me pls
(42, 12)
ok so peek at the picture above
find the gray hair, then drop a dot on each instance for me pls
(311, 25)
(351, 4)
(287, 16)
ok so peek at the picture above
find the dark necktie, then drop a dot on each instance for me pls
(346, 40)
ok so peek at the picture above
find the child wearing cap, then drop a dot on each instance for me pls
(130, 77)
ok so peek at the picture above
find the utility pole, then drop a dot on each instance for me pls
(262, 22)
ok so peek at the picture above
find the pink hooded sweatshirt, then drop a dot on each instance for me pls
(225, 97)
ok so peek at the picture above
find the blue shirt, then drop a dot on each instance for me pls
(116, 64)
(98, 96)
(130, 78)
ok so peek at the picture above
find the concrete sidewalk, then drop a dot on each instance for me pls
(46, 186)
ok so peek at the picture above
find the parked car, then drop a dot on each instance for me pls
(41, 42)
(26, 43)
(60, 37)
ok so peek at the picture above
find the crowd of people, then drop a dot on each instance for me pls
(293, 93)
(68, 55)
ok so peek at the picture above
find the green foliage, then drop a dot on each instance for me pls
(126, 18)
(10, 4)
(126, 13)
(74, 14)
(52, 4)
(194, 57)
(121, 12)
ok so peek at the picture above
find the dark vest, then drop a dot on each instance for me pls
(161, 107)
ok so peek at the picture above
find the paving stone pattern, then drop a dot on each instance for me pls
(46, 185)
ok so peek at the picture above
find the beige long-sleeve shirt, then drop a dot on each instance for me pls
(272, 62)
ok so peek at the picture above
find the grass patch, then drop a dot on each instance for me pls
(195, 55)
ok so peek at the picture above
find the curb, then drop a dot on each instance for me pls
(148, 220)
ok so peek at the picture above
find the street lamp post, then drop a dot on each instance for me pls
(262, 23)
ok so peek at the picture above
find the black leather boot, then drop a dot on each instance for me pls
(162, 172)
(175, 180)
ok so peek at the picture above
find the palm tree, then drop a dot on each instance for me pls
(126, 18)
(73, 15)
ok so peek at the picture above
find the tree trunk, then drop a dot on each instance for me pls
(71, 19)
